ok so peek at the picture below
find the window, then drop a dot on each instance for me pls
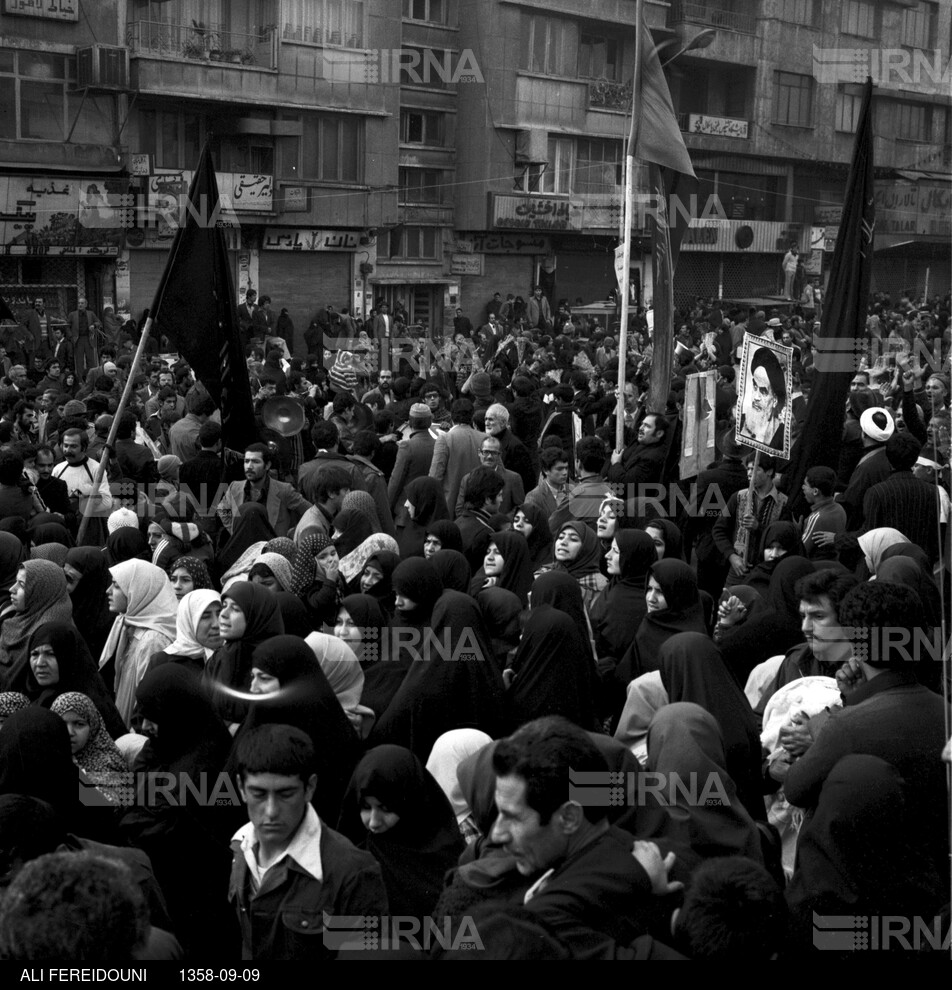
(913, 123)
(328, 151)
(252, 155)
(919, 25)
(421, 185)
(34, 103)
(425, 10)
(173, 139)
(411, 243)
(547, 47)
(598, 166)
(858, 17)
(847, 110)
(793, 99)
(556, 177)
(324, 22)
(799, 11)
(432, 67)
(599, 58)
(421, 127)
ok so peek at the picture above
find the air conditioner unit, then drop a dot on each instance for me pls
(102, 67)
(532, 147)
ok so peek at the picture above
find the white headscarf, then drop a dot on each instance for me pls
(122, 517)
(876, 542)
(190, 611)
(345, 676)
(447, 754)
(152, 603)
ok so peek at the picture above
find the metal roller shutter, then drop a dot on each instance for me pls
(145, 273)
(502, 273)
(591, 276)
(302, 283)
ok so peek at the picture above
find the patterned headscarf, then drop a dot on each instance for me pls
(353, 564)
(99, 755)
(56, 552)
(302, 569)
(312, 545)
(12, 701)
(197, 569)
(364, 503)
(278, 566)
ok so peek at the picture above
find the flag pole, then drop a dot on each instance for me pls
(123, 402)
(626, 230)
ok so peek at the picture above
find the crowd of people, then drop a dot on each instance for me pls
(440, 658)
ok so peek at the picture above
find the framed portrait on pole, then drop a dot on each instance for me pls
(764, 408)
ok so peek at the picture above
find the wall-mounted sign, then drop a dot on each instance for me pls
(504, 244)
(466, 264)
(294, 199)
(50, 10)
(293, 239)
(75, 216)
(140, 164)
(702, 123)
(536, 213)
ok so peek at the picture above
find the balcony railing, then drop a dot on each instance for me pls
(703, 13)
(609, 95)
(202, 43)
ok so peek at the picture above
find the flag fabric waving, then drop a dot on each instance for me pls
(841, 341)
(5, 312)
(195, 307)
(672, 184)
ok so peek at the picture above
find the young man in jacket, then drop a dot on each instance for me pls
(289, 869)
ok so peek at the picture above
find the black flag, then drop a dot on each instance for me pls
(195, 307)
(840, 343)
(5, 312)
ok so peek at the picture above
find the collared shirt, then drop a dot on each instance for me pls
(304, 848)
(253, 494)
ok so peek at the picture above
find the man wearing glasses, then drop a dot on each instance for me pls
(490, 456)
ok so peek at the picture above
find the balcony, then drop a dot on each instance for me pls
(703, 123)
(704, 13)
(200, 43)
(603, 94)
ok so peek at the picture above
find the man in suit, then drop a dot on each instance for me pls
(513, 492)
(62, 349)
(83, 324)
(456, 452)
(515, 454)
(37, 323)
(284, 505)
(538, 312)
(414, 457)
(246, 317)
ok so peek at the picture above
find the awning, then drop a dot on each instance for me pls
(939, 248)
(929, 176)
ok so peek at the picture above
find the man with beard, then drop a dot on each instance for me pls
(762, 417)
(284, 505)
(79, 472)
